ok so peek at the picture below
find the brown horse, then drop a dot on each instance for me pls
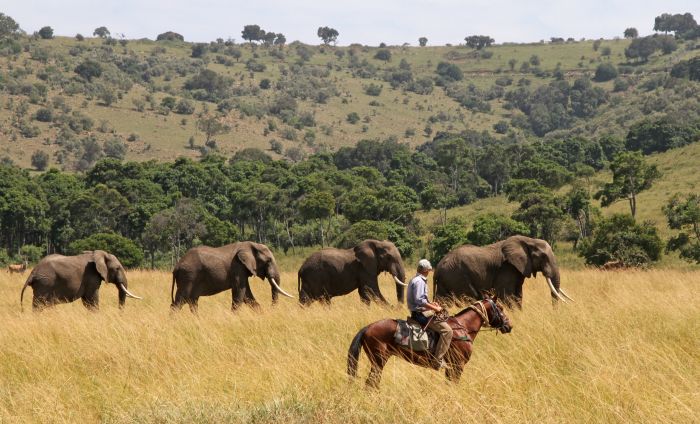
(377, 340)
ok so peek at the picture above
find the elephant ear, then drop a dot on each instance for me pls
(246, 257)
(367, 256)
(517, 254)
(100, 259)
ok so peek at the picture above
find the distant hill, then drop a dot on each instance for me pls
(297, 99)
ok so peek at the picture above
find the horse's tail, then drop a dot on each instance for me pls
(21, 296)
(354, 352)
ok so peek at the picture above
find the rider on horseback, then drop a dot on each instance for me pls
(418, 304)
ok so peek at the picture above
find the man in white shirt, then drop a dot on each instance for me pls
(418, 304)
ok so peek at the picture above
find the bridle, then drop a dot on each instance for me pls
(497, 320)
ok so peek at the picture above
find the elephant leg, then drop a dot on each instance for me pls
(181, 297)
(250, 299)
(364, 295)
(91, 300)
(238, 296)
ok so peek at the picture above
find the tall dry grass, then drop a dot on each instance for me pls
(626, 351)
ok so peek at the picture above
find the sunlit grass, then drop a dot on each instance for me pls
(626, 351)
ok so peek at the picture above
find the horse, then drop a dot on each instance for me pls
(377, 340)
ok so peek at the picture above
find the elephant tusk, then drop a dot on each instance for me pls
(566, 295)
(128, 293)
(279, 289)
(554, 291)
(399, 281)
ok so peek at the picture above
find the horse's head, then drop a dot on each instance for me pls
(497, 318)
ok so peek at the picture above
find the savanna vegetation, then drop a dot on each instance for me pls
(626, 351)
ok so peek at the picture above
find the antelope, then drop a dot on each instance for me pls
(20, 268)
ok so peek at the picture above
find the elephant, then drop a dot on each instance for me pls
(62, 279)
(334, 272)
(502, 266)
(204, 271)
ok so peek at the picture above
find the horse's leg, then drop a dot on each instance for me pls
(454, 371)
(375, 372)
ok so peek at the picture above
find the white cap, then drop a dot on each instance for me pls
(424, 264)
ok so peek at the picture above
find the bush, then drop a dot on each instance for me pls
(404, 239)
(446, 238)
(128, 253)
(620, 238)
(44, 115)
(353, 118)
(491, 227)
(501, 127)
(184, 107)
(40, 160)
(605, 72)
(46, 33)
(373, 89)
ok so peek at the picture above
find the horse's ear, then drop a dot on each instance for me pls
(484, 294)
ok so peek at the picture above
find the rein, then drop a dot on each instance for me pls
(480, 310)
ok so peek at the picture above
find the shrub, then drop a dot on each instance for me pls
(490, 228)
(605, 72)
(44, 115)
(184, 107)
(620, 238)
(403, 238)
(40, 160)
(353, 118)
(373, 89)
(128, 253)
(46, 33)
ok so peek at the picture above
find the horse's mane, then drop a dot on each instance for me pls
(464, 310)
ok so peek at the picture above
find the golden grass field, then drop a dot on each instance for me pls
(626, 351)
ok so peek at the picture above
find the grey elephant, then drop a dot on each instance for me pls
(61, 279)
(204, 271)
(335, 272)
(503, 266)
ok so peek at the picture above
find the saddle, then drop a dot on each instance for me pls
(411, 336)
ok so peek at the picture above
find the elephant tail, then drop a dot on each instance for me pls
(21, 296)
(172, 289)
(354, 352)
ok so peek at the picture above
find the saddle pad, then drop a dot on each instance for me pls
(411, 336)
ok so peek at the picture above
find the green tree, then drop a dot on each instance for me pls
(447, 237)
(383, 54)
(252, 33)
(8, 26)
(491, 227)
(422, 41)
(211, 126)
(318, 205)
(46, 33)
(631, 175)
(620, 238)
(478, 42)
(115, 148)
(40, 160)
(631, 33)
(683, 213)
(101, 32)
(89, 69)
(543, 213)
(128, 252)
(642, 48)
(402, 237)
(605, 72)
(328, 35)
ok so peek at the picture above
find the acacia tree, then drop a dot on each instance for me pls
(631, 33)
(478, 42)
(252, 33)
(101, 32)
(631, 175)
(683, 213)
(211, 126)
(328, 35)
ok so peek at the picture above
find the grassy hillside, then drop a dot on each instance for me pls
(626, 351)
(401, 113)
